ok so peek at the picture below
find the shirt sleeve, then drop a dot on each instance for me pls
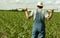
(31, 14)
(46, 14)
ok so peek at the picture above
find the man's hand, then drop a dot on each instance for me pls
(52, 10)
(25, 9)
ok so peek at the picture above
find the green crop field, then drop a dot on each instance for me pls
(13, 24)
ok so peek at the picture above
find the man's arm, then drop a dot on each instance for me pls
(26, 13)
(50, 15)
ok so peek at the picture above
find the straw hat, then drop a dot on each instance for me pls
(39, 4)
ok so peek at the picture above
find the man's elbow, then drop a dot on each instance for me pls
(28, 17)
(49, 18)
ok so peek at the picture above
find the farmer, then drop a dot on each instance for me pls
(39, 14)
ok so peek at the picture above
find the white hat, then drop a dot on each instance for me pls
(39, 4)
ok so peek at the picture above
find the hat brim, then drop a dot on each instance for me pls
(39, 5)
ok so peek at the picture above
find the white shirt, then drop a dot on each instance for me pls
(44, 12)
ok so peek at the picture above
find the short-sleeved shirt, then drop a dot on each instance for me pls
(44, 12)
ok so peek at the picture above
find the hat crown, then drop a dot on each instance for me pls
(40, 4)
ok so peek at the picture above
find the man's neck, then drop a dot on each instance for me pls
(40, 8)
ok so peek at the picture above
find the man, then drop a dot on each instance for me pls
(39, 20)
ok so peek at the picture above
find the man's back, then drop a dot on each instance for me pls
(39, 16)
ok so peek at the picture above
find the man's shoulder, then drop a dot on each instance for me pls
(33, 11)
